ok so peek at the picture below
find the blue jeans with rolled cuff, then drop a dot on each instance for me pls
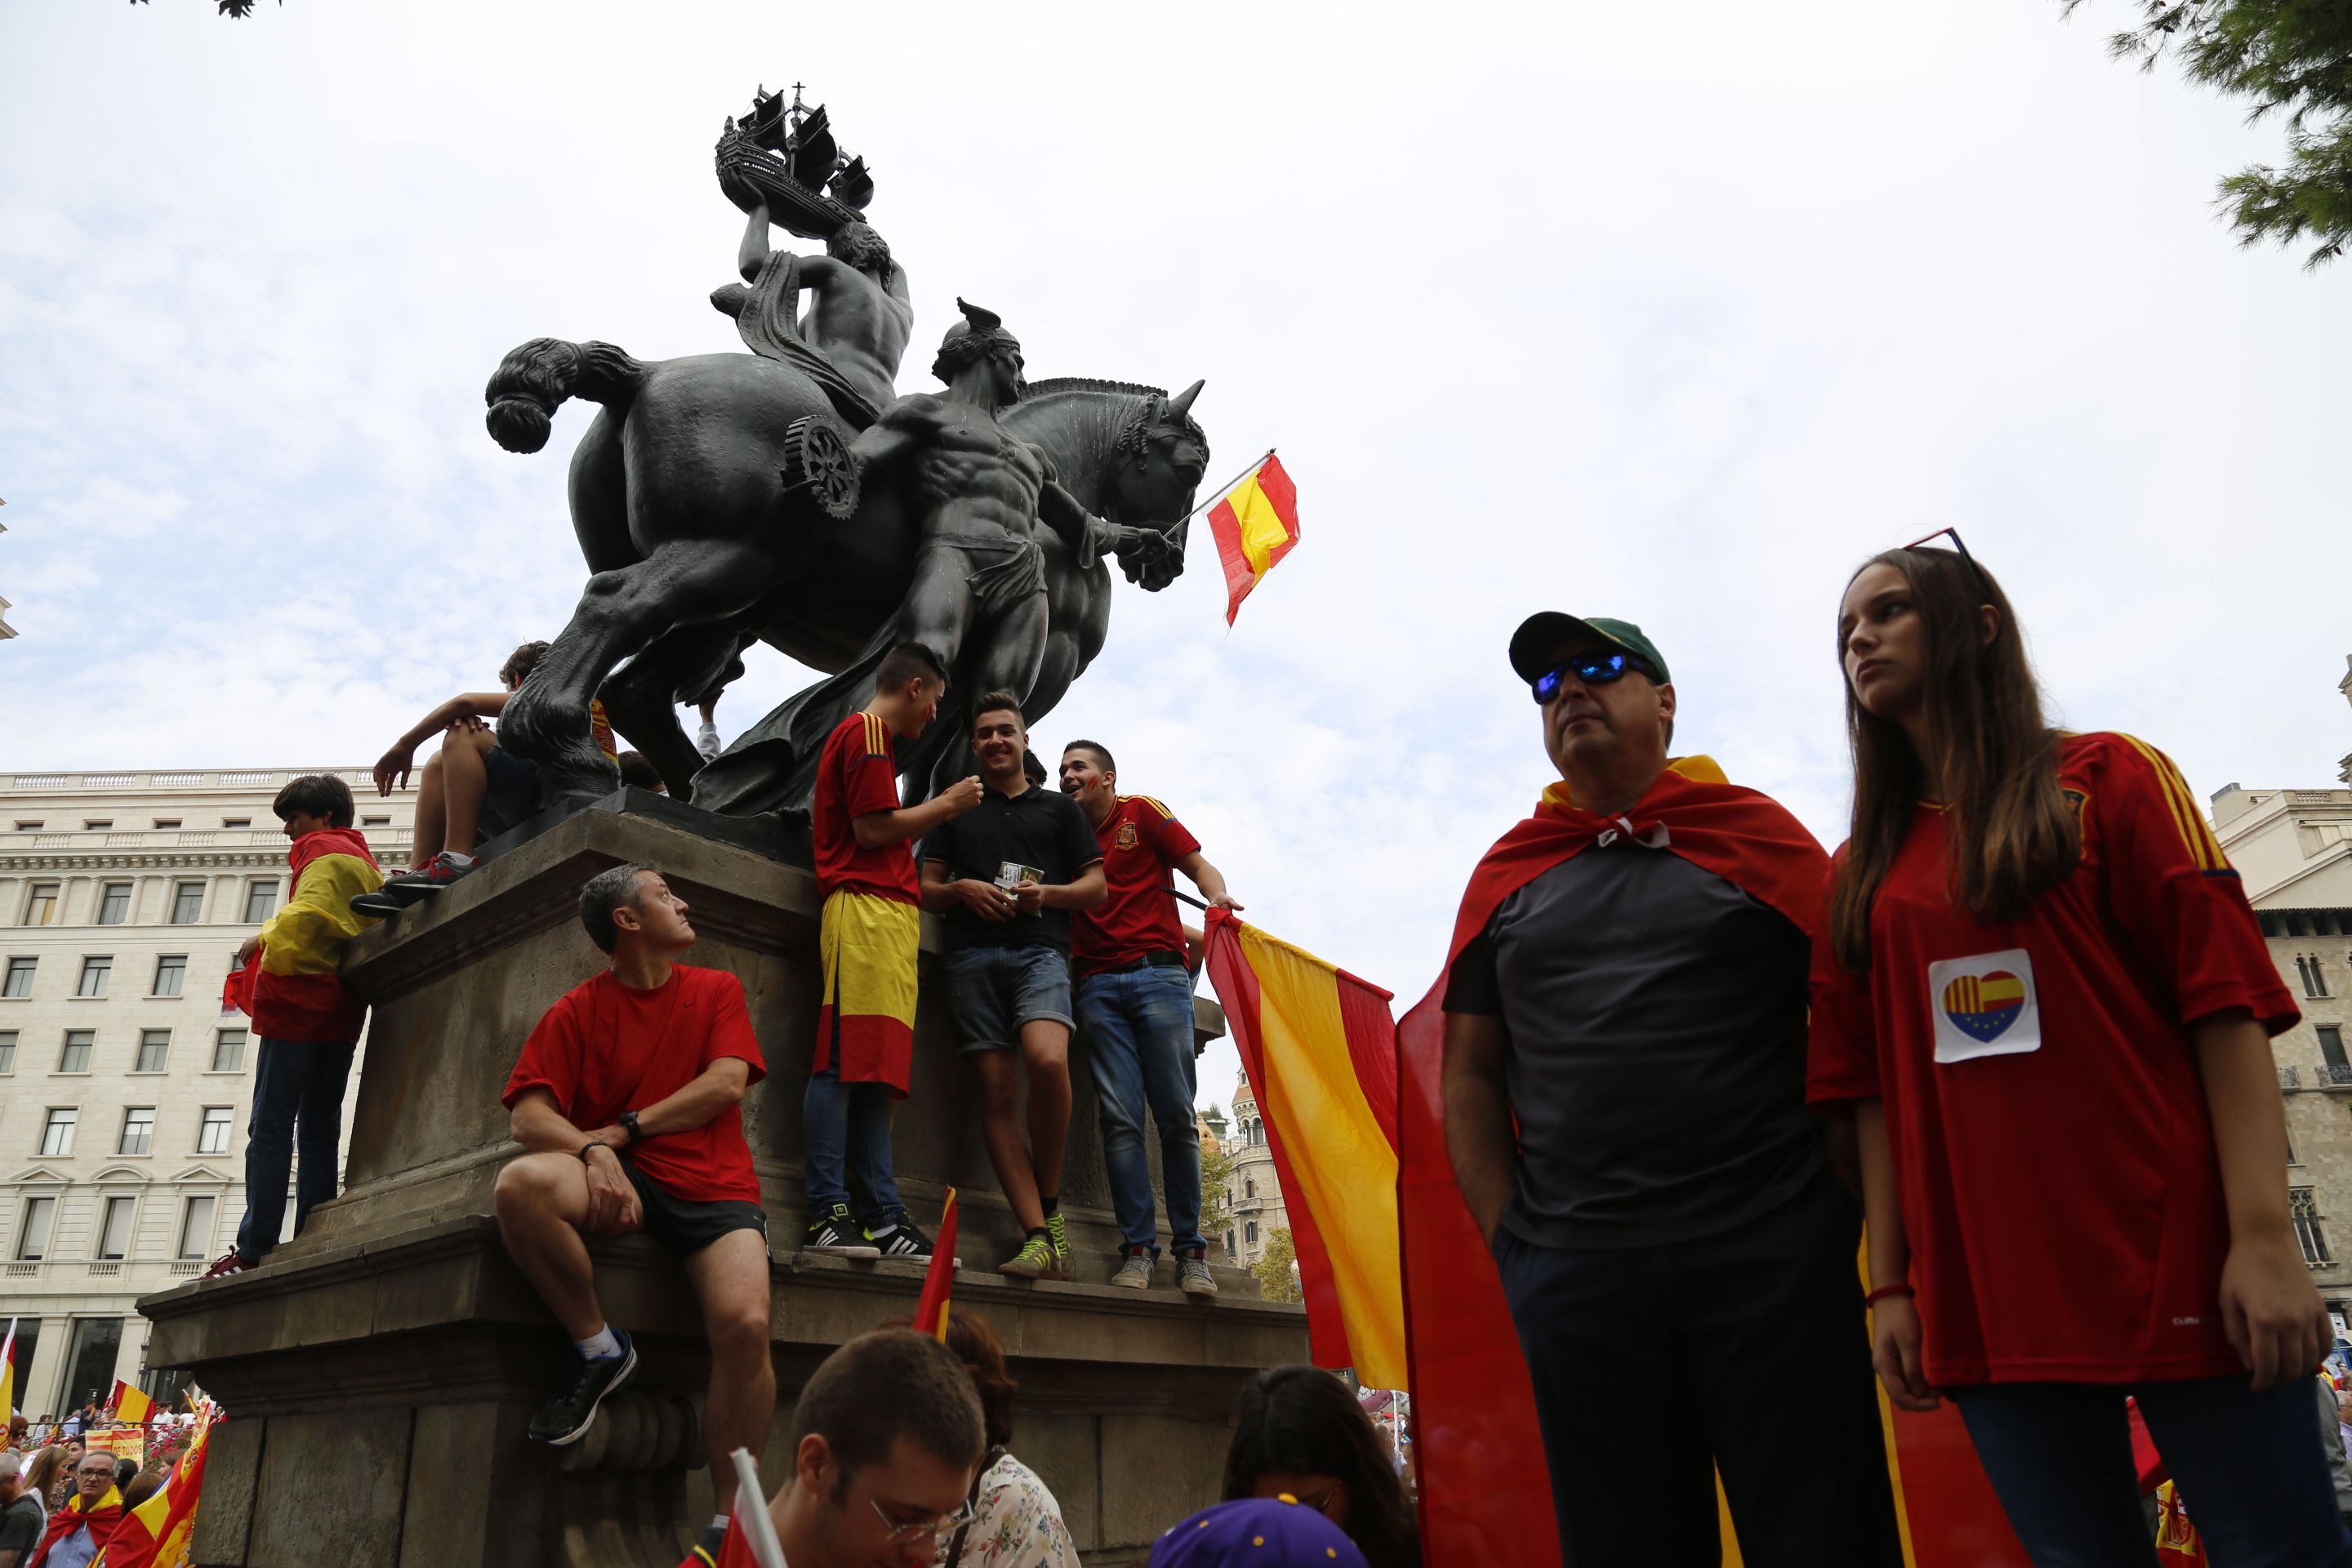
(845, 1141)
(298, 1091)
(1138, 1026)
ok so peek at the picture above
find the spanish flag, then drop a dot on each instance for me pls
(8, 1374)
(1256, 525)
(932, 1308)
(1320, 1049)
(157, 1533)
(130, 1404)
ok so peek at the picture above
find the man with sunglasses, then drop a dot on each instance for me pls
(1625, 1023)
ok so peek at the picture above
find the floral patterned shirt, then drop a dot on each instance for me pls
(1015, 1523)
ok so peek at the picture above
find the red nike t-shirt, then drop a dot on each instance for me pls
(605, 1047)
(1140, 841)
(857, 774)
(2048, 1124)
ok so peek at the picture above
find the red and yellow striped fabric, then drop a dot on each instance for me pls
(129, 1404)
(157, 1533)
(939, 1279)
(1320, 1050)
(1255, 525)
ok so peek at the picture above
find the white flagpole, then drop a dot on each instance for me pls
(1228, 487)
(756, 1523)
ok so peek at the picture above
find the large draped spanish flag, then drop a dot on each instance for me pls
(156, 1534)
(1321, 1049)
(1256, 525)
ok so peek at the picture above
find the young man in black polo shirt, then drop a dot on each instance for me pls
(1007, 875)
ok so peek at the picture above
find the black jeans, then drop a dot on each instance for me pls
(293, 1083)
(1742, 1353)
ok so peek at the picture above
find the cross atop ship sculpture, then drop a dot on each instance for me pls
(789, 496)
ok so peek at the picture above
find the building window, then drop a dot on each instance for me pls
(1229, 1243)
(94, 971)
(196, 1228)
(2314, 982)
(75, 1058)
(114, 904)
(260, 899)
(92, 824)
(138, 1130)
(1249, 1186)
(24, 827)
(212, 1136)
(155, 1045)
(1249, 1233)
(7, 1050)
(41, 905)
(2331, 1043)
(375, 822)
(33, 1235)
(57, 1133)
(237, 822)
(229, 1051)
(169, 970)
(114, 1232)
(187, 903)
(20, 977)
(167, 822)
(2302, 1208)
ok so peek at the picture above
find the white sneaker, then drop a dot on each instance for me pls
(1134, 1272)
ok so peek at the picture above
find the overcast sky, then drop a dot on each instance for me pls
(1671, 313)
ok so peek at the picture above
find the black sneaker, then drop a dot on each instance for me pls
(567, 1417)
(902, 1238)
(834, 1231)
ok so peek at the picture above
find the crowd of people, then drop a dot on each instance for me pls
(64, 1487)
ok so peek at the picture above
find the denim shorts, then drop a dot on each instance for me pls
(992, 991)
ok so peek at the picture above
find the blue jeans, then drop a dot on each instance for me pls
(1138, 1033)
(992, 991)
(2249, 1467)
(295, 1086)
(846, 1138)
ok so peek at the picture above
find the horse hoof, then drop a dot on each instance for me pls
(818, 462)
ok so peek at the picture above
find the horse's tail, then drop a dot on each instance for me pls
(532, 381)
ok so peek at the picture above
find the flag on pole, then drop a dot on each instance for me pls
(8, 1374)
(1320, 1050)
(751, 1534)
(1256, 524)
(932, 1310)
(129, 1404)
(157, 1533)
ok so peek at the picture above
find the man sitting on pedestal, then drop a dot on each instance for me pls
(629, 1098)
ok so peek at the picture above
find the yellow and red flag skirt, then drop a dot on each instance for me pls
(865, 1031)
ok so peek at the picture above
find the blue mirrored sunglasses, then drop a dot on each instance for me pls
(1590, 669)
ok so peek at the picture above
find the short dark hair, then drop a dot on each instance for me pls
(1101, 751)
(999, 702)
(1303, 1421)
(892, 1384)
(520, 662)
(904, 663)
(316, 795)
(616, 889)
(637, 769)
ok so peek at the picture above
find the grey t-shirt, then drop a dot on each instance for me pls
(1656, 1016)
(21, 1524)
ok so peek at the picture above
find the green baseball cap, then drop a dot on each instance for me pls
(1539, 634)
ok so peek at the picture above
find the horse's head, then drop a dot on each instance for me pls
(1163, 458)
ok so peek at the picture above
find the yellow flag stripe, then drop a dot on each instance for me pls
(1337, 1153)
(1260, 528)
(2186, 817)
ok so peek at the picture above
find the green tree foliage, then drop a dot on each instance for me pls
(1274, 1280)
(1216, 1203)
(2292, 59)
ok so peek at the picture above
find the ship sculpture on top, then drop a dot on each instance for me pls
(791, 496)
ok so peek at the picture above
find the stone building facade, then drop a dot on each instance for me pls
(123, 1091)
(1253, 1207)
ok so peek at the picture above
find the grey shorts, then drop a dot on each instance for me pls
(992, 991)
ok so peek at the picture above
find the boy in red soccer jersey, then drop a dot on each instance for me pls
(628, 1096)
(869, 936)
(1134, 995)
(2042, 996)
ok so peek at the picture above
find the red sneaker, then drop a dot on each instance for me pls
(230, 1263)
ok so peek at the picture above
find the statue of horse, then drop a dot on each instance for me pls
(717, 503)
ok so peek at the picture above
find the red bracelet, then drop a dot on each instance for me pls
(1883, 1292)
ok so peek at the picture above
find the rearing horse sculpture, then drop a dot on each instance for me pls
(716, 502)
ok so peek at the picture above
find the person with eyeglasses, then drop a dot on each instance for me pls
(1301, 1437)
(887, 1438)
(2044, 1002)
(79, 1531)
(1623, 1081)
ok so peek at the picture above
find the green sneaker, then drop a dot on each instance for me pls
(1036, 1260)
(1060, 1234)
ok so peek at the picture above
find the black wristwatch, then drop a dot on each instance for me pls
(629, 1121)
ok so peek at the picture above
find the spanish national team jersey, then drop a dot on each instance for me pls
(858, 774)
(1140, 840)
(2047, 1121)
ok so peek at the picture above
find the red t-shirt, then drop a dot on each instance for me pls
(858, 774)
(1140, 840)
(605, 1047)
(2050, 1140)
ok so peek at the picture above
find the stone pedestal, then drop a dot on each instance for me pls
(381, 1370)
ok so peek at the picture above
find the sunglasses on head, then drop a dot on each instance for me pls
(1984, 590)
(1589, 670)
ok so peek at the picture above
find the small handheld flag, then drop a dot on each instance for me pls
(751, 1534)
(1256, 524)
(8, 1374)
(932, 1310)
(131, 1404)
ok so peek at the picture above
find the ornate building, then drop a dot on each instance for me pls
(123, 1091)
(1253, 1209)
(2294, 847)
